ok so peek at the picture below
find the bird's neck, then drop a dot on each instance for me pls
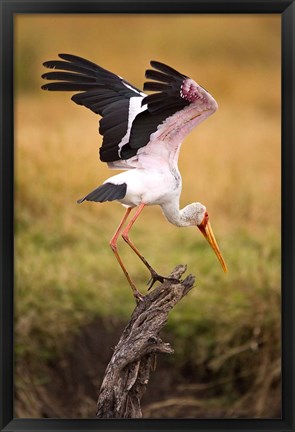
(177, 216)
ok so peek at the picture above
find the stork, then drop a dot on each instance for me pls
(142, 136)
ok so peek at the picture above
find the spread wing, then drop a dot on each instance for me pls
(190, 104)
(131, 120)
(104, 93)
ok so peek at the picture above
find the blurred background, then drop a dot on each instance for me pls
(71, 298)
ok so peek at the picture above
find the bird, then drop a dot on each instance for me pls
(142, 136)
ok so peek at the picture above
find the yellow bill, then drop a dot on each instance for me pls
(207, 232)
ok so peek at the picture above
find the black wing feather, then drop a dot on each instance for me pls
(167, 69)
(156, 86)
(160, 106)
(68, 76)
(106, 192)
(155, 75)
(109, 96)
(170, 82)
(72, 67)
(143, 126)
(103, 92)
(68, 86)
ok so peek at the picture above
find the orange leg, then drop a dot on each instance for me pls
(113, 244)
(154, 275)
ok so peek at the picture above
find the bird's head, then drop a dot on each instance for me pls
(198, 216)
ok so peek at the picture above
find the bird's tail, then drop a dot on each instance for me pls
(106, 192)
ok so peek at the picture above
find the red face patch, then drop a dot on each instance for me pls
(205, 219)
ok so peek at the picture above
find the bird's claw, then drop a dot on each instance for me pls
(156, 277)
(138, 296)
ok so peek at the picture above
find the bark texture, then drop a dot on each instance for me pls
(127, 374)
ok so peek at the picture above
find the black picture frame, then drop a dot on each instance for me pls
(10, 7)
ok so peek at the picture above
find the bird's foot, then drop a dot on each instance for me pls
(156, 277)
(138, 296)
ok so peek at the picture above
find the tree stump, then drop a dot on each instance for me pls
(127, 374)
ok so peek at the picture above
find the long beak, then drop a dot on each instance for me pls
(207, 232)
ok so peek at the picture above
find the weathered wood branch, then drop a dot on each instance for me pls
(128, 371)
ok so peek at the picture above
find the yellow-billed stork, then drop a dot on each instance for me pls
(142, 135)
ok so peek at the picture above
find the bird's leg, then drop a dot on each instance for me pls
(154, 275)
(113, 244)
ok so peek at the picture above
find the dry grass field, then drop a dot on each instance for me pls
(226, 333)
